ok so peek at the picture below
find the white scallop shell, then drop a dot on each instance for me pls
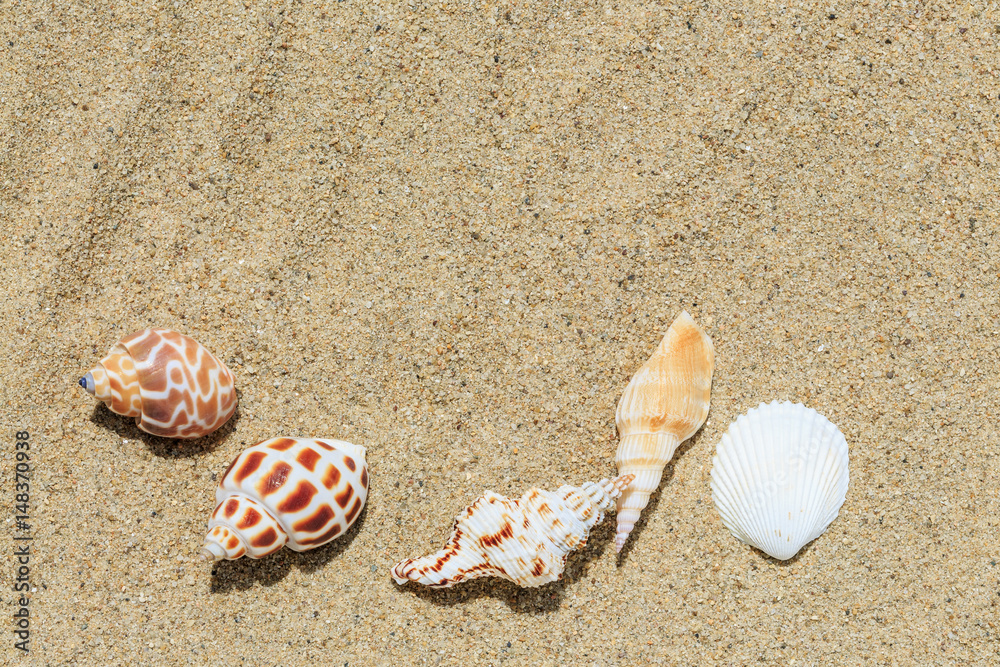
(779, 477)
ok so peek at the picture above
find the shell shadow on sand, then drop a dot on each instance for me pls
(126, 428)
(654, 501)
(541, 600)
(243, 573)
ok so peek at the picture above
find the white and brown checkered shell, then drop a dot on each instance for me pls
(299, 492)
(525, 540)
(173, 386)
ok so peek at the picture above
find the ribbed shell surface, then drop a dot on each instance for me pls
(671, 392)
(313, 488)
(780, 477)
(523, 540)
(665, 403)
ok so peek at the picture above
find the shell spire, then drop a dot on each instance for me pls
(523, 540)
(664, 404)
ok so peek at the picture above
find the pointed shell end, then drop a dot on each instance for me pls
(206, 556)
(627, 518)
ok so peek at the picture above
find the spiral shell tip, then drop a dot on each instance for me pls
(206, 556)
(87, 382)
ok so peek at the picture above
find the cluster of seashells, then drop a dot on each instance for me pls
(295, 492)
(779, 476)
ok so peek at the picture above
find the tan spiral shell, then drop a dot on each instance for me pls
(294, 492)
(523, 540)
(664, 404)
(169, 382)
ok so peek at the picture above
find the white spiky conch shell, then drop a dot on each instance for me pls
(523, 540)
(664, 404)
(780, 477)
(294, 492)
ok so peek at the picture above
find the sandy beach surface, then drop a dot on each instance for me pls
(450, 233)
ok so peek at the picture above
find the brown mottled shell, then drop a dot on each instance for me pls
(169, 382)
(523, 540)
(295, 492)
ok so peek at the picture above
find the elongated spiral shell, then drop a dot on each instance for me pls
(294, 492)
(169, 382)
(525, 541)
(664, 404)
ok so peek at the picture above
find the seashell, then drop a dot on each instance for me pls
(664, 404)
(294, 492)
(779, 477)
(173, 386)
(525, 541)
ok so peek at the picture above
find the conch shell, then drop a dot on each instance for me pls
(665, 404)
(525, 540)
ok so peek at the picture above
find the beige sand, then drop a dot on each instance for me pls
(451, 233)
